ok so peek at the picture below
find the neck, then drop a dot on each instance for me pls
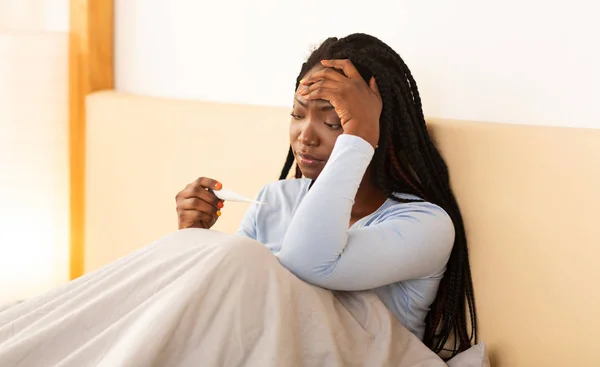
(368, 197)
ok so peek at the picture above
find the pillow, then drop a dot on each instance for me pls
(475, 356)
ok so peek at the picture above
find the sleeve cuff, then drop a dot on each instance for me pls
(347, 140)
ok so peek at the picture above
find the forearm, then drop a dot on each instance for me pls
(318, 232)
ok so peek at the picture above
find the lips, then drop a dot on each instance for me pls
(308, 159)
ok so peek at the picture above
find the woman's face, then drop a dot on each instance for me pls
(314, 129)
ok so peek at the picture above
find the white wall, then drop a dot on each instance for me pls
(34, 147)
(519, 61)
(34, 15)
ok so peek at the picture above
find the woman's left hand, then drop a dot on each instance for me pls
(357, 104)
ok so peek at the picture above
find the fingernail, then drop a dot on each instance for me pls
(218, 213)
(218, 186)
(220, 205)
(302, 81)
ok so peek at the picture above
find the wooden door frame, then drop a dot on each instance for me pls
(91, 68)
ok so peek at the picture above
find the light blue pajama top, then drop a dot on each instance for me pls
(400, 251)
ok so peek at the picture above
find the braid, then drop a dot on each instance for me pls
(408, 162)
(289, 161)
(298, 173)
(400, 171)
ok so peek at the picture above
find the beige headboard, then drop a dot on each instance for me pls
(530, 197)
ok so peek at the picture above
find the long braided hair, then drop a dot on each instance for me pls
(408, 162)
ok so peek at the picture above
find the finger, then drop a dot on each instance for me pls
(327, 73)
(324, 94)
(190, 218)
(374, 87)
(208, 183)
(324, 84)
(200, 193)
(197, 204)
(345, 65)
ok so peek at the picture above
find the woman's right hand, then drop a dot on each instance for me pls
(197, 207)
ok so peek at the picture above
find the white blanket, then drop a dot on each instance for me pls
(204, 298)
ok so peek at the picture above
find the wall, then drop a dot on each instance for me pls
(34, 160)
(38, 15)
(518, 61)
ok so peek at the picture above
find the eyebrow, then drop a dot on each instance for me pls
(325, 105)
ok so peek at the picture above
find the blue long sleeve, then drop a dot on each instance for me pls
(408, 241)
(400, 251)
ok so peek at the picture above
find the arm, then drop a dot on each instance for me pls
(413, 241)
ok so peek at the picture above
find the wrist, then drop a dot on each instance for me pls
(371, 136)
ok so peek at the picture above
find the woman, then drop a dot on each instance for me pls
(374, 215)
(375, 209)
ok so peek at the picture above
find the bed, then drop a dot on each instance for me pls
(530, 197)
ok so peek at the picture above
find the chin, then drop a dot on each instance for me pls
(310, 172)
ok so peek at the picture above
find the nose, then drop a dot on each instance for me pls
(308, 135)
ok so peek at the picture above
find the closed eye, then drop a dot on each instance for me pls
(296, 117)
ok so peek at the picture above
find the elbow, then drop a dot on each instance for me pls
(307, 271)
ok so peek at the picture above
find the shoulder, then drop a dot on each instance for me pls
(419, 219)
(284, 190)
(415, 206)
(280, 199)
